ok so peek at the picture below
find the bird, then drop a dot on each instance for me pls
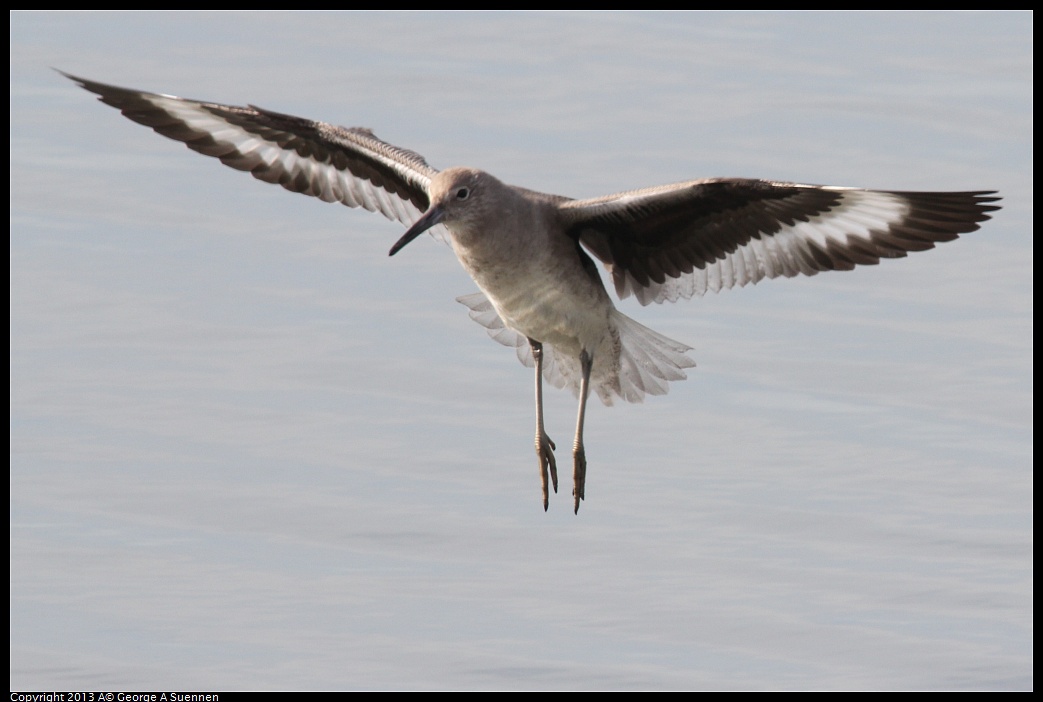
(532, 254)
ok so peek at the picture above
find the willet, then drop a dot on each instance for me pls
(530, 253)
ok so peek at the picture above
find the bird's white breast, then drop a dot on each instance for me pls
(545, 296)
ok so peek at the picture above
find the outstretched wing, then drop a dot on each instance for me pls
(681, 240)
(335, 164)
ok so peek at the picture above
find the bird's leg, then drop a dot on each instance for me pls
(579, 455)
(544, 446)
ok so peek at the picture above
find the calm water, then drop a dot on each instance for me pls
(249, 450)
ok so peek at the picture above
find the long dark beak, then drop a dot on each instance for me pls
(432, 217)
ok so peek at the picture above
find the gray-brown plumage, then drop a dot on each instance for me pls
(530, 252)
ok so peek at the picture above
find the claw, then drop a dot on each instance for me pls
(545, 453)
(579, 476)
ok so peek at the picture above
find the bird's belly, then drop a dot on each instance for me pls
(548, 314)
(547, 297)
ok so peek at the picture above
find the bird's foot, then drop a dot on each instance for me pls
(548, 466)
(579, 475)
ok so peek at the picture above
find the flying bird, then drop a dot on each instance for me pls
(532, 254)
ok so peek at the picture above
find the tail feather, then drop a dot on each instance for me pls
(647, 360)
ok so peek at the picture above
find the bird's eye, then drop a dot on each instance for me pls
(463, 194)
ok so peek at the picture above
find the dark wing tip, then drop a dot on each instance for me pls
(952, 212)
(983, 197)
(102, 89)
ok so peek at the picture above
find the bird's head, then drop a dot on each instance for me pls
(456, 201)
